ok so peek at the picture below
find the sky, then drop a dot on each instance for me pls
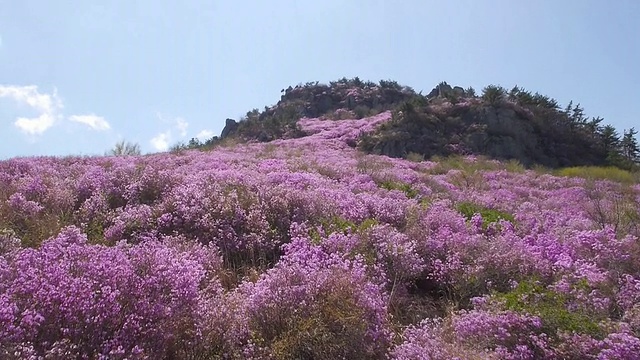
(78, 76)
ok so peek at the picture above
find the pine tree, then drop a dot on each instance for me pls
(610, 142)
(594, 126)
(493, 94)
(610, 139)
(629, 145)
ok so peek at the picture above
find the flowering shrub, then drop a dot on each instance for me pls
(306, 248)
(426, 341)
(317, 305)
(509, 334)
(70, 299)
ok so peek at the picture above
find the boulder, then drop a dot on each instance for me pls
(229, 128)
(444, 89)
(458, 91)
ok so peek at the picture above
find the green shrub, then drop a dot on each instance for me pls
(533, 298)
(414, 157)
(338, 224)
(488, 215)
(362, 111)
(514, 166)
(396, 185)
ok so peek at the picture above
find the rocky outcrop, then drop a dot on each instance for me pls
(230, 127)
(450, 122)
(444, 90)
(318, 99)
(458, 91)
(315, 100)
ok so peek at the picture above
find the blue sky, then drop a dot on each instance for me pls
(76, 77)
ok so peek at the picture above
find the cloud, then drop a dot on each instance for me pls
(178, 122)
(204, 135)
(48, 105)
(161, 141)
(93, 121)
(34, 126)
(182, 126)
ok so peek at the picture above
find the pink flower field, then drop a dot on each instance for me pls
(307, 248)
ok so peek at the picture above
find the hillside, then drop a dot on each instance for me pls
(303, 246)
(507, 125)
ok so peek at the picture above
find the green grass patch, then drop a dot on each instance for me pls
(600, 173)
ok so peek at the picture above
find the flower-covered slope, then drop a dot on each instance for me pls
(307, 248)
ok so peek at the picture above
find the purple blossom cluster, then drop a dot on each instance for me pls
(69, 299)
(307, 248)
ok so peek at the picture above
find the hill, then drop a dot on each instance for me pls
(517, 124)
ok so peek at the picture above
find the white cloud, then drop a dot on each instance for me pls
(177, 122)
(32, 97)
(93, 121)
(204, 135)
(48, 105)
(161, 141)
(34, 126)
(182, 126)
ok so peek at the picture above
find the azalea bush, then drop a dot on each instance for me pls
(307, 248)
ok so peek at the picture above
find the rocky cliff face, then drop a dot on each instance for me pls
(470, 125)
(230, 127)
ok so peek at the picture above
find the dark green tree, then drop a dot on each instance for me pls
(545, 101)
(513, 94)
(577, 115)
(594, 126)
(470, 92)
(610, 139)
(494, 94)
(629, 145)
(525, 98)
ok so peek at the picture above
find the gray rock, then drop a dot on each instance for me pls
(434, 93)
(229, 128)
(444, 89)
(458, 91)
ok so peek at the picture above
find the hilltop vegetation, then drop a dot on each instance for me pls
(306, 247)
(516, 124)
(342, 99)
(502, 124)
